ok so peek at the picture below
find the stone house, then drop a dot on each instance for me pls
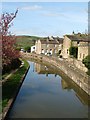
(50, 46)
(77, 40)
(83, 50)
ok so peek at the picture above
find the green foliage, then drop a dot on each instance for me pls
(88, 72)
(24, 41)
(28, 49)
(86, 61)
(10, 86)
(18, 48)
(15, 63)
(73, 51)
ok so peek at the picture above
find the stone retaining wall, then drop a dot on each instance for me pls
(80, 78)
(78, 64)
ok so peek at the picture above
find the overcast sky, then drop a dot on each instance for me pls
(48, 18)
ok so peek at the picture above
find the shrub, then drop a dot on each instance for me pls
(73, 51)
(15, 63)
(11, 66)
(28, 49)
(86, 61)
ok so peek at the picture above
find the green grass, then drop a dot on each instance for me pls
(0, 106)
(5, 75)
(10, 86)
(24, 41)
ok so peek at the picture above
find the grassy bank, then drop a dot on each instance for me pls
(10, 87)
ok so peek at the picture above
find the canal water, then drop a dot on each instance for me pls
(45, 94)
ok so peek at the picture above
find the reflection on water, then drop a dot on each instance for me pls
(45, 94)
(65, 85)
(42, 69)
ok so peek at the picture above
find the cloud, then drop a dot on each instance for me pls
(53, 14)
(34, 7)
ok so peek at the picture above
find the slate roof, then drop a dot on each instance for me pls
(79, 37)
(54, 41)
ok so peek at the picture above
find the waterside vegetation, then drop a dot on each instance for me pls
(10, 86)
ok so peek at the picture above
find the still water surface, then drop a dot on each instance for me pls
(45, 94)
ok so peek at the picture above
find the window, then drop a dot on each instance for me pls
(78, 42)
(59, 51)
(67, 51)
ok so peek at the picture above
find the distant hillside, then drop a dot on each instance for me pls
(28, 41)
(24, 41)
